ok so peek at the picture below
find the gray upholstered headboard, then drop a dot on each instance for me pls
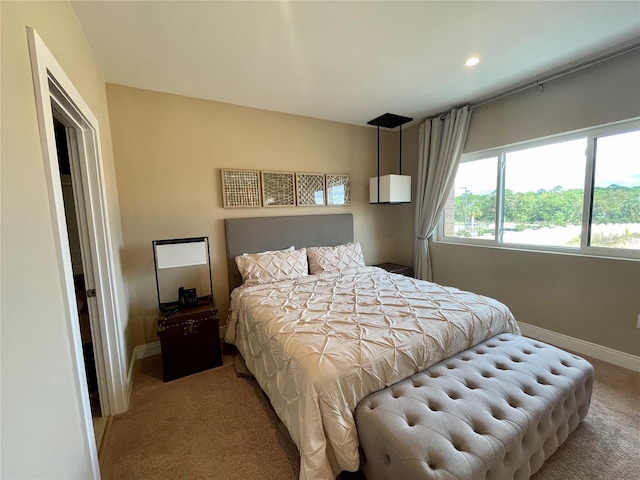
(258, 234)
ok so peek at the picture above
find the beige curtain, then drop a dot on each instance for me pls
(442, 141)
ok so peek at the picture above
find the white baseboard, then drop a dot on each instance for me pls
(130, 373)
(141, 351)
(148, 350)
(223, 330)
(130, 380)
(583, 347)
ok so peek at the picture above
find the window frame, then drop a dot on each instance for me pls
(591, 135)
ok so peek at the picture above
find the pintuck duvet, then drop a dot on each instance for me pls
(319, 344)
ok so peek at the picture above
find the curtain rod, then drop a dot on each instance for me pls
(563, 73)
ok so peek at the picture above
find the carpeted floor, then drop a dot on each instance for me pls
(216, 425)
(606, 445)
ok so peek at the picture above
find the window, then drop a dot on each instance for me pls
(576, 192)
(474, 207)
(615, 217)
(543, 194)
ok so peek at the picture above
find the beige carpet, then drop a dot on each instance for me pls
(215, 425)
(606, 445)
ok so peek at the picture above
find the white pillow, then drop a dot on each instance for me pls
(267, 267)
(291, 248)
(331, 259)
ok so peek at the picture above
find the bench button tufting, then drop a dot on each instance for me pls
(499, 365)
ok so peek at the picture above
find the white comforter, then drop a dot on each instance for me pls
(320, 344)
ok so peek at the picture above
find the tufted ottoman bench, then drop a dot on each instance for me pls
(495, 411)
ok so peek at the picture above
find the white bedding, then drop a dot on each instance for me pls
(319, 344)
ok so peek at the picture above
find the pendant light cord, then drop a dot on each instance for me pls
(378, 163)
(400, 156)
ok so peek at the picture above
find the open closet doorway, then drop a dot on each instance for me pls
(79, 249)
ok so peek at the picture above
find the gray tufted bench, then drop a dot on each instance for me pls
(495, 411)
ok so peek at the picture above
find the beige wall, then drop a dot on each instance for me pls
(592, 299)
(605, 93)
(169, 151)
(42, 429)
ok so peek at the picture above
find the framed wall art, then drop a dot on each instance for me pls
(310, 189)
(240, 188)
(338, 189)
(278, 189)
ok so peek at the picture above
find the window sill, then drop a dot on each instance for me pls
(595, 253)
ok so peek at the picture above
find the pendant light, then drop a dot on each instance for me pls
(390, 189)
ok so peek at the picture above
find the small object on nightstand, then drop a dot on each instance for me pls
(189, 338)
(396, 268)
(168, 313)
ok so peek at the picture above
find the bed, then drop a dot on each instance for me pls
(318, 344)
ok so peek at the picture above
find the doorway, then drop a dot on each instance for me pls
(56, 94)
(77, 235)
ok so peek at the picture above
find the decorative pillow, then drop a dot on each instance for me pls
(267, 267)
(330, 259)
(290, 249)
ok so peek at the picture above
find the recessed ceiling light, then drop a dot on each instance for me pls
(472, 61)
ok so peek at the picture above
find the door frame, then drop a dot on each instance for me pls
(80, 201)
(53, 89)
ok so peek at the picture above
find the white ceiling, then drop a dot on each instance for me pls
(347, 61)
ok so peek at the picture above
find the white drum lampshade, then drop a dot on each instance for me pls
(393, 189)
